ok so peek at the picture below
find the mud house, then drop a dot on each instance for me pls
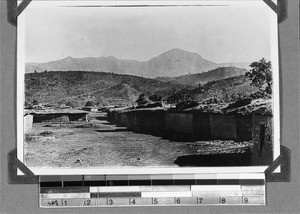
(201, 125)
(112, 115)
(117, 116)
(253, 122)
(262, 135)
(28, 120)
(196, 123)
(122, 119)
(132, 121)
(121, 116)
(61, 115)
(147, 120)
(223, 127)
(179, 122)
(90, 106)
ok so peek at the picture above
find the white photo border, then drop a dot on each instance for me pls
(147, 170)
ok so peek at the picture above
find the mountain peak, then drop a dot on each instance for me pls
(179, 51)
(67, 59)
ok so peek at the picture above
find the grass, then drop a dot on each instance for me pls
(46, 133)
(29, 137)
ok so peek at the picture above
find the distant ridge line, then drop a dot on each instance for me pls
(172, 63)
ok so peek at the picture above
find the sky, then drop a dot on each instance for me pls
(218, 33)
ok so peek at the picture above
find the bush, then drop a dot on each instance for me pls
(72, 104)
(155, 98)
(35, 102)
(46, 133)
(29, 137)
(89, 103)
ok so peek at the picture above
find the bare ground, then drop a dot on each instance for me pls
(99, 144)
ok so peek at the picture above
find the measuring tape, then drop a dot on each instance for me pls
(152, 190)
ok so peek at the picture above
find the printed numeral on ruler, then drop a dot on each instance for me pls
(70, 202)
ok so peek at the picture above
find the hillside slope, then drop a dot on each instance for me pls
(102, 88)
(219, 91)
(76, 88)
(205, 77)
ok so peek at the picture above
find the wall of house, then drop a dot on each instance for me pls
(262, 152)
(151, 122)
(89, 109)
(223, 127)
(201, 123)
(77, 117)
(108, 116)
(243, 128)
(179, 122)
(38, 118)
(123, 119)
(132, 121)
(112, 116)
(28, 120)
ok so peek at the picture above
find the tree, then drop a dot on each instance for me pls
(89, 103)
(143, 100)
(35, 102)
(155, 98)
(261, 75)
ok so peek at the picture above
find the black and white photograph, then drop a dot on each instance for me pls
(147, 86)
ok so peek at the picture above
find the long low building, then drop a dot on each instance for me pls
(28, 120)
(147, 120)
(58, 115)
(253, 122)
(200, 122)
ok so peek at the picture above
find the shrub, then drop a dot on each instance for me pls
(46, 133)
(72, 104)
(29, 137)
(89, 103)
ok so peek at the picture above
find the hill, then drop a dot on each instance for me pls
(77, 87)
(219, 91)
(175, 62)
(205, 77)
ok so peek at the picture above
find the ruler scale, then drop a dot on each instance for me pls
(152, 190)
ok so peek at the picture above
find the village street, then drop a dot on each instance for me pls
(100, 144)
(97, 143)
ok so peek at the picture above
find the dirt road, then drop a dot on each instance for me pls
(100, 144)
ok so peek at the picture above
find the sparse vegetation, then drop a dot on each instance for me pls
(89, 103)
(155, 98)
(80, 86)
(221, 91)
(46, 133)
(143, 100)
(72, 104)
(29, 138)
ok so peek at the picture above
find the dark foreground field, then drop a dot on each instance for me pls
(99, 144)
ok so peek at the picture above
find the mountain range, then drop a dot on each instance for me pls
(173, 63)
